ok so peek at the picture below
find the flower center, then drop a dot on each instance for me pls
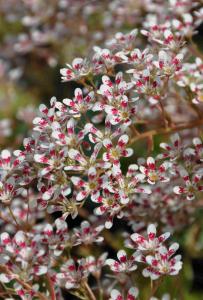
(114, 153)
(92, 185)
(124, 115)
(153, 176)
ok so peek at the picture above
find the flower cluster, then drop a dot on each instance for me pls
(158, 259)
(79, 178)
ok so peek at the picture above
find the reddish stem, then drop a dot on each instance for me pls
(51, 287)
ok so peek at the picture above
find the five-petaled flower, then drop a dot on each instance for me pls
(87, 234)
(77, 70)
(79, 104)
(114, 153)
(154, 173)
(124, 264)
(149, 244)
(163, 263)
(192, 185)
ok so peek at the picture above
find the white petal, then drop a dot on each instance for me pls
(178, 190)
(5, 238)
(5, 154)
(20, 238)
(123, 140)
(110, 262)
(150, 162)
(122, 256)
(115, 295)
(151, 230)
(173, 248)
(133, 292)
(107, 143)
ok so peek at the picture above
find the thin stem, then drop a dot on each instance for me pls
(154, 287)
(164, 114)
(89, 291)
(77, 295)
(168, 130)
(100, 289)
(86, 85)
(166, 117)
(51, 287)
(194, 49)
(134, 130)
(5, 219)
(8, 291)
(92, 83)
(12, 215)
(25, 285)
